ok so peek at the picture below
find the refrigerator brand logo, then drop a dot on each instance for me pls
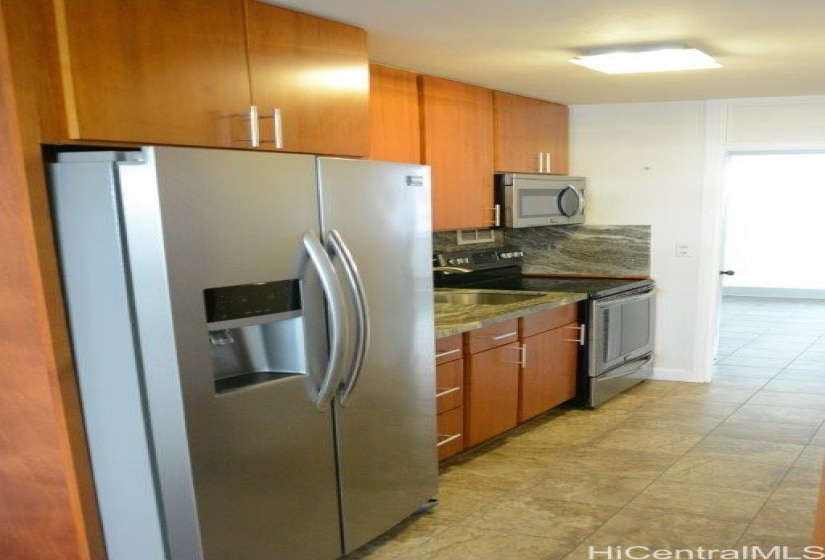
(701, 553)
(415, 181)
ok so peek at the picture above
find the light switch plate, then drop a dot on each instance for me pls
(684, 250)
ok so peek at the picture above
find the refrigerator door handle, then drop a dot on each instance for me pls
(362, 320)
(336, 311)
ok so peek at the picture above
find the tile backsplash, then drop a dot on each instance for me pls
(575, 250)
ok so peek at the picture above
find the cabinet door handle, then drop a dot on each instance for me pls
(448, 438)
(540, 157)
(546, 162)
(523, 355)
(503, 336)
(447, 353)
(254, 126)
(496, 215)
(444, 392)
(278, 128)
(582, 335)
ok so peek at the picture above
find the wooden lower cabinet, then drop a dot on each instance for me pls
(492, 392)
(548, 377)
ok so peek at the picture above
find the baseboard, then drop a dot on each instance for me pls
(800, 293)
(665, 374)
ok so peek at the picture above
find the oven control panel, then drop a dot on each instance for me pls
(481, 259)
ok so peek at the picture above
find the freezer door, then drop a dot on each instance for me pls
(245, 468)
(380, 214)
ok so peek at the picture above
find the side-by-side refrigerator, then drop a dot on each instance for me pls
(253, 337)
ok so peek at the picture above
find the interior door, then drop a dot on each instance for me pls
(386, 425)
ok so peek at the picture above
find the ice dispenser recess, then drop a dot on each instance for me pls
(256, 333)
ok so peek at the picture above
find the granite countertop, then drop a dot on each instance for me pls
(456, 318)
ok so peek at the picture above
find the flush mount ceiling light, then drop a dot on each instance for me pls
(645, 58)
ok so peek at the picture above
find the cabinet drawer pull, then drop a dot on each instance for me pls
(582, 334)
(447, 353)
(503, 336)
(443, 392)
(448, 438)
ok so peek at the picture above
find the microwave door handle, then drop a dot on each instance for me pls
(580, 195)
(579, 198)
(560, 201)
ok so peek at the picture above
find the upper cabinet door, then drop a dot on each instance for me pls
(153, 71)
(394, 115)
(310, 81)
(457, 130)
(531, 136)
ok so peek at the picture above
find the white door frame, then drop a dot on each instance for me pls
(717, 148)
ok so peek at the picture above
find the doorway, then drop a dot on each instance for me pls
(775, 224)
(772, 308)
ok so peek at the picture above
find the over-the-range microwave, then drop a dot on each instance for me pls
(529, 200)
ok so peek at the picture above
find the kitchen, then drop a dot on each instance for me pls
(677, 151)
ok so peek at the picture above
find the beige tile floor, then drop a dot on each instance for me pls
(665, 465)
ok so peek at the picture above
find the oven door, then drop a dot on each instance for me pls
(622, 330)
(531, 201)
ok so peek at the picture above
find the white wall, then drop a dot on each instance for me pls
(645, 165)
(661, 164)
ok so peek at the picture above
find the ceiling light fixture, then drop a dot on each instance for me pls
(645, 58)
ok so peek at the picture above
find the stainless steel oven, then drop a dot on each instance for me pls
(620, 343)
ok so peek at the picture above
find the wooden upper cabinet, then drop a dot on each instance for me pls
(457, 140)
(394, 115)
(528, 132)
(153, 71)
(315, 73)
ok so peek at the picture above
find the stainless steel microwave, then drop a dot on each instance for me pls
(539, 200)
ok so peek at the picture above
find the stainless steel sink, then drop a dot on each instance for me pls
(481, 298)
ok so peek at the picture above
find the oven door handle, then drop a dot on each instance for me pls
(628, 368)
(622, 299)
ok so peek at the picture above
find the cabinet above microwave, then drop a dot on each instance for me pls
(539, 200)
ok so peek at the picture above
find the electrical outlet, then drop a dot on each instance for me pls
(684, 250)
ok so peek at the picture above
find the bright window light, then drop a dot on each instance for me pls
(774, 228)
(665, 58)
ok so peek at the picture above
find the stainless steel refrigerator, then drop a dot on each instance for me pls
(253, 336)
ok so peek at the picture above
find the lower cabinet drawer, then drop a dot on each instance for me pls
(449, 383)
(450, 432)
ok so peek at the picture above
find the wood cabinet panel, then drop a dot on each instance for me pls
(450, 432)
(394, 117)
(492, 393)
(449, 386)
(525, 128)
(457, 139)
(153, 71)
(549, 376)
(316, 72)
(499, 334)
(546, 320)
(448, 348)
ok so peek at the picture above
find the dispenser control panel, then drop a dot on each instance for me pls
(251, 300)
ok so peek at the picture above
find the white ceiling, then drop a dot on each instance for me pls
(768, 47)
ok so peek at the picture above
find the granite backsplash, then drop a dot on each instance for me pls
(571, 250)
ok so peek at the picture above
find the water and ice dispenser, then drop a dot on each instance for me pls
(256, 333)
